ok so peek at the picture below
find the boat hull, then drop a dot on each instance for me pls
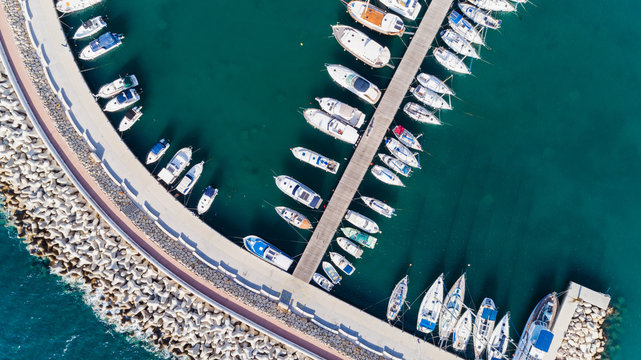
(323, 282)
(267, 252)
(293, 217)
(451, 61)
(375, 19)
(342, 263)
(299, 192)
(331, 126)
(354, 83)
(361, 238)
(430, 309)
(349, 247)
(433, 83)
(386, 175)
(362, 222)
(347, 114)
(452, 307)
(379, 206)
(397, 299)
(206, 200)
(361, 46)
(421, 114)
(331, 273)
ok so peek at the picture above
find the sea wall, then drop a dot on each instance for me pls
(585, 338)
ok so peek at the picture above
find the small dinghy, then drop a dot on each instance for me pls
(359, 237)
(115, 87)
(463, 27)
(102, 45)
(386, 175)
(315, 159)
(293, 217)
(267, 252)
(500, 339)
(376, 19)
(345, 113)
(353, 82)
(458, 43)
(331, 272)
(421, 114)
(406, 138)
(431, 306)
(297, 191)
(362, 222)
(69, 6)
(379, 206)
(433, 83)
(188, 181)
(323, 282)
(157, 151)
(494, 5)
(349, 247)
(395, 164)
(176, 165)
(402, 152)
(452, 307)
(430, 98)
(124, 100)
(450, 61)
(342, 263)
(462, 331)
(361, 46)
(207, 199)
(131, 117)
(331, 126)
(90, 27)
(484, 326)
(408, 9)
(397, 299)
(479, 16)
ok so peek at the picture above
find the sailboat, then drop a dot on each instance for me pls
(494, 5)
(462, 331)
(361, 238)
(421, 114)
(323, 282)
(397, 299)
(188, 181)
(458, 43)
(395, 164)
(500, 339)
(407, 138)
(331, 272)
(452, 307)
(537, 336)
(342, 263)
(293, 217)
(362, 222)
(349, 247)
(430, 98)
(379, 206)
(376, 19)
(450, 61)
(459, 24)
(430, 309)
(483, 326)
(315, 159)
(345, 113)
(402, 152)
(361, 46)
(386, 175)
(433, 83)
(479, 16)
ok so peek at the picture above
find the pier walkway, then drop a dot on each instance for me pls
(371, 139)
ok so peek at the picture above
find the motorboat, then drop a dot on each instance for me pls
(342, 263)
(500, 339)
(362, 222)
(69, 6)
(407, 138)
(297, 191)
(430, 98)
(207, 199)
(131, 117)
(102, 45)
(396, 300)
(188, 181)
(315, 159)
(450, 61)
(359, 237)
(347, 114)
(433, 83)
(379, 206)
(386, 175)
(463, 27)
(331, 273)
(408, 9)
(90, 27)
(349, 247)
(483, 326)
(537, 336)
(452, 307)
(176, 165)
(395, 164)
(353, 82)
(361, 46)
(323, 282)
(458, 43)
(431, 305)
(494, 5)
(421, 114)
(122, 101)
(479, 16)
(115, 87)
(268, 252)
(402, 152)
(375, 19)
(331, 126)
(157, 151)
(293, 217)
(462, 331)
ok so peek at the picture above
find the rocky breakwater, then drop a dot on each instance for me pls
(585, 338)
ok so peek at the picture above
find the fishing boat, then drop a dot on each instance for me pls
(464, 28)
(452, 307)
(401, 152)
(176, 165)
(102, 45)
(379, 206)
(122, 101)
(494, 5)
(386, 175)
(297, 191)
(406, 138)
(157, 151)
(537, 336)
(395, 164)
(268, 252)
(450, 61)
(462, 331)
(483, 326)
(90, 27)
(408, 9)
(359, 237)
(430, 308)
(331, 126)
(499, 340)
(349, 247)
(117, 86)
(376, 19)
(361, 46)
(205, 201)
(430, 98)
(69, 6)
(323, 282)
(458, 43)
(421, 114)
(479, 16)
(433, 83)
(362, 222)
(294, 217)
(331, 272)
(131, 117)
(347, 114)
(353, 82)
(397, 299)
(188, 181)
(342, 263)
(315, 159)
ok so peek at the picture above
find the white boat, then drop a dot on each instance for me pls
(402, 152)
(122, 101)
(331, 126)
(205, 201)
(462, 331)
(499, 340)
(407, 138)
(293, 217)
(379, 206)
(157, 151)
(408, 9)
(362, 222)
(331, 272)
(386, 175)
(353, 82)
(90, 27)
(430, 98)
(315, 159)
(397, 299)
(323, 282)
(361, 46)
(297, 191)
(459, 24)
(450, 61)
(268, 252)
(395, 164)
(458, 43)
(102, 45)
(433, 83)
(347, 114)
(188, 181)
(349, 247)
(117, 86)
(421, 114)
(479, 16)
(537, 336)
(483, 326)
(430, 309)
(69, 6)
(131, 117)
(494, 5)
(176, 165)
(452, 307)
(376, 19)
(342, 263)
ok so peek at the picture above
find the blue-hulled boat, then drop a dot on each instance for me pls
(267, 252)
(331, 272)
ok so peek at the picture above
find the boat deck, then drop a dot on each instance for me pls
(373, 16)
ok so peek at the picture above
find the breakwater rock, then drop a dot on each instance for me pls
(585, 338)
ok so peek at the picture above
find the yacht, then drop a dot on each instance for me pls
(342, 263)
(353, 82)
(293, 217)
(430, 98)
(376, 19)
(315, 159)
(361, 238)
(267, 252)
(297, 191)
(331, 272)
(362, 222)
(188, 181)
(379, 206)
(345, 113)
(494, 5)
(131, 117)
(157, 151)
(122, 101)
(433, 83)
(115, 87)
(207, 199)
(537, 336)
(395, 164)
(459, 24)
(406, 138)
(500, 339)
(69, 6)
(458, 43)
(408, 9)
(90, 27)
(396, 300)
(323, 282)
(402, 152)
(176, 165)
(431, 306)
(349, 247)
(386, 175)
(479, 16)
(361, 46)
(331, 126)
(102, 45)
(483, 326)
(450, 61)
(421, 114)
(462, 331)
(452, 307)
